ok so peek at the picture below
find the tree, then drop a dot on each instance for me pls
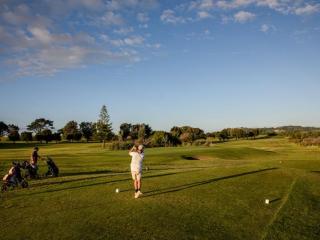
(87, 130)
(3, 129)
(70, 130)
(223, 135)
(56, 136)
(211, 135)
(176, 131)
(125, 131)
(186, 137)
(187, 133)
(47, 135)
(163, 139)
(13, 133)
(144, 131)
(77, 136)
(104, 126)
(39, 125)
(26, 136)
(135, 131)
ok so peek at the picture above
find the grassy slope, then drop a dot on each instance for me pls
(220, 196)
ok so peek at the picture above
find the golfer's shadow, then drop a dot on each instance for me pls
(196, 184)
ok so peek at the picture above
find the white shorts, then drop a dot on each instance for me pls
(136, 175)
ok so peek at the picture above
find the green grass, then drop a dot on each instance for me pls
(189, 193)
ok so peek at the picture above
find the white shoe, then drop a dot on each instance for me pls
(140, 193)
(136, 195)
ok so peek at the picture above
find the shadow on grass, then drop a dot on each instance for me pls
(275, 200)
(9, 145)
(86, 173)
(196, 184)
(97, 184)
(189, 157)
(103, 174)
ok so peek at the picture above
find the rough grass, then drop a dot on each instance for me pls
(189, 193)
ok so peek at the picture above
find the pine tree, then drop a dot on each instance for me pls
(104, 126)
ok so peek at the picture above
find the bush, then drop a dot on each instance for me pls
(310, 141)
(272, 134)
(163, 139)
(200, 142)
(26, 136)
(120, 145)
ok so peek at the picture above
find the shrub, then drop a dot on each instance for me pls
(120, 145)
(200, 142)
(26, 136)
(163, 139)
(310, 141)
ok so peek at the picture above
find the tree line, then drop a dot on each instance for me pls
(42, 130)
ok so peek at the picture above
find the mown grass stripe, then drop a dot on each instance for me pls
(275, 215)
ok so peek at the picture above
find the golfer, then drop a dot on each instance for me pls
(34, 158)
(137, 156)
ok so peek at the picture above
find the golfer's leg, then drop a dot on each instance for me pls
(136, 185)
(139, 184)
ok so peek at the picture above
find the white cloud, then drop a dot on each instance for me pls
(128, 41)
(41, 34)
(204, 5)
(168, 16)
(111, 18)
(308, 9)
(145, 25)
(142, 17)
(124, 31)
(50, 61)
(234, 4)
(207, 32)
(134, 40)
(138, 4)
(243, 16)
(204, 14)
(264, 28)
(32, 44)
(225, 19)
(156, 45)
(298, 7)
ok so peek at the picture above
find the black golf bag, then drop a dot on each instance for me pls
(13, 178)
(31, 171)
(53, 169)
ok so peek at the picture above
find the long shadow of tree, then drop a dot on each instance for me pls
(96, 184)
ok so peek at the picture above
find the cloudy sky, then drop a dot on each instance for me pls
(206, 63)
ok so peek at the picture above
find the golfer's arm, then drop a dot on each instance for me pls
(131, 150)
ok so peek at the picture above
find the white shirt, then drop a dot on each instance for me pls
(136, 161)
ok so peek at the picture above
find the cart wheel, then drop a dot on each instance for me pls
(4, 188)
(24, 184)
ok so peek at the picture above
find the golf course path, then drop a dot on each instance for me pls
(275, 216)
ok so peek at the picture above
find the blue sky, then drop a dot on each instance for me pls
(206, 63)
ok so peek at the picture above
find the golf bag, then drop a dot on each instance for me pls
(31, 171)
(53, 169)
(13, 178)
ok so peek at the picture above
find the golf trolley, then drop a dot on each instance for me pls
(14, 178)
(31, 171)
(53, 170)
